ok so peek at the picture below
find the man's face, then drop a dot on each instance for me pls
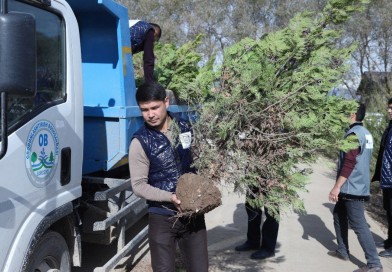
(353, 117)
(390, 111)
(154, 112)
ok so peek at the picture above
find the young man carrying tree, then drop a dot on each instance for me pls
(158, 156)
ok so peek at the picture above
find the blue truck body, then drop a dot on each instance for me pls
(110, 109)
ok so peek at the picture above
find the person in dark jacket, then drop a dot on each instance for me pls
(143, 35)
(159, 154)
(351, 190)
(383, 173)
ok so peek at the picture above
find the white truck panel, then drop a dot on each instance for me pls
(24, 203)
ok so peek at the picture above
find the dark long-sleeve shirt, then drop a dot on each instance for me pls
(349, 162)
(148, 56)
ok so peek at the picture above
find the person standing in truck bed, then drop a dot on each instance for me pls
(143, 36)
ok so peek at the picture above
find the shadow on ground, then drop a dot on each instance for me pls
(222, 241)
(313, 225)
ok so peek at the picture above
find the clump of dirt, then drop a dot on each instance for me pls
(198, 195)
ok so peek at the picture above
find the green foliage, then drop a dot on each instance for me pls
(271, 112)
(265, 111)
(376, 125)
(339, 11)
(176, 68)
(350, 143)
(199, 89)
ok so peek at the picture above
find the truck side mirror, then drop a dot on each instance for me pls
(18, 61)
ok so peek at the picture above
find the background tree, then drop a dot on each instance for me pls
(371, 62)
(369, 77)
(223, 23)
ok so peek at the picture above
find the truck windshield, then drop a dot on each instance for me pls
(50, 66)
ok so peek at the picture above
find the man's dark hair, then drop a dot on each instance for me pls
(390, 101)
(361, 111)
(150, 91)
(157, 27)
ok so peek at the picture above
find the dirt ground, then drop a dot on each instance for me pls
(303, 240)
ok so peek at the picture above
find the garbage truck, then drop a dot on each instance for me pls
(68, 112)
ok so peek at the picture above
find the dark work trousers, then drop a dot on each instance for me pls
(353, 212)
(165, 232)
(387, 204)
(269, 230)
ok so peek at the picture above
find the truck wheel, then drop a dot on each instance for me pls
(50, 254)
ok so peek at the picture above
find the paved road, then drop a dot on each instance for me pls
(303, 240)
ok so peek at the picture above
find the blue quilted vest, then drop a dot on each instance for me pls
(167, 162)
(138, 33)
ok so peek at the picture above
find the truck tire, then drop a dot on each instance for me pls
(50, 254)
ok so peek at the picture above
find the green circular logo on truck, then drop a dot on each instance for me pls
(42, 152)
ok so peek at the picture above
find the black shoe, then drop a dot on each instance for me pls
(262, 254)
(368, 269)
(337, 254)
(246, 247)
(386, 253)
(385, 244)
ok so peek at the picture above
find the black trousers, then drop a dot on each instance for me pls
(165, 232)
(387, 205)
(269, 230)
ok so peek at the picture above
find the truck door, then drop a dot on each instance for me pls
(42, 138)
